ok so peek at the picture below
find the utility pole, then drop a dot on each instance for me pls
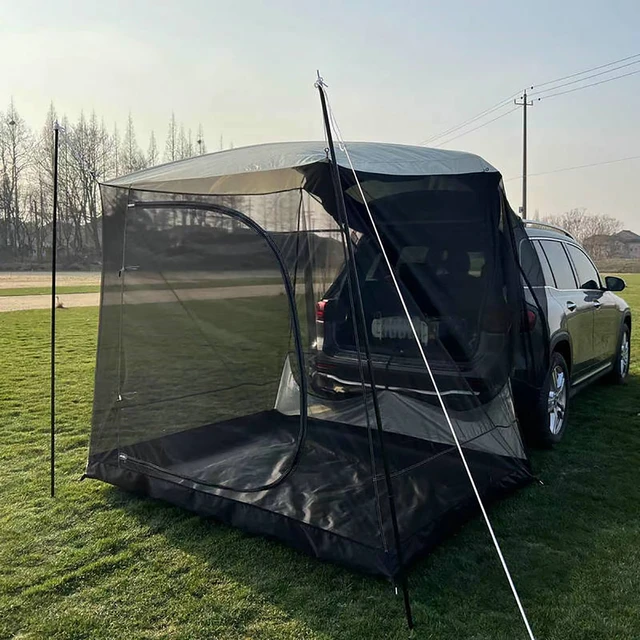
(524, 104)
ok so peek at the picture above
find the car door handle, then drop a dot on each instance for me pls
(572, 306)
(597, 304)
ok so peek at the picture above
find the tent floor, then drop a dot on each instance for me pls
(326, 500)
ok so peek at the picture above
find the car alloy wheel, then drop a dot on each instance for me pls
(557, 402)
(625, 354)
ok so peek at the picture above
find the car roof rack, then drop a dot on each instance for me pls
(547, 225)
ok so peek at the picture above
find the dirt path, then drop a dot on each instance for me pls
(70, 300)
(23, 303)
(23, 279)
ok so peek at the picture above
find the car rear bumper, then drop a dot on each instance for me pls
(343, 373)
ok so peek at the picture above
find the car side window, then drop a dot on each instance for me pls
(544, 263)
(529, 264)
(560, 265)
(588, 277)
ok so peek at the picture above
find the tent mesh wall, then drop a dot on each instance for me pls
(233, 378)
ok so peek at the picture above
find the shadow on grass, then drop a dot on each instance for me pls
(569, 544)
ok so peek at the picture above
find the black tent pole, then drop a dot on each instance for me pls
(342, 212)
(54, 245)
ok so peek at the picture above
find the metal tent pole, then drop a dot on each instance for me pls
(342, 212)
(54, 246)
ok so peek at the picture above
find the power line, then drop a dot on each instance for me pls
(595, 75)
(580, 73)
(486, 112)
(580, 166)
(484, 124)
(539, 94)
(586, 86)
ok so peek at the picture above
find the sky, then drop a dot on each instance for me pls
(398, 71)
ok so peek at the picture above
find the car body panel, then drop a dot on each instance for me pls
(607, 320)
(577, 320)
(596, 333)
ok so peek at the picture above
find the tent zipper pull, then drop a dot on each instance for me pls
(132, 267)
(126, 396)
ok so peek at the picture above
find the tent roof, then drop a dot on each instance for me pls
(278, 166)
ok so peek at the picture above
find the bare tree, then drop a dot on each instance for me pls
(189, 151)
(40, 187)
(152, 151)
(16, 147)
(602, 225)
(583, 225)
(115, 143)
(88, 155)
(171, 147)
(132, 158)
(89, 147)
(185, 144)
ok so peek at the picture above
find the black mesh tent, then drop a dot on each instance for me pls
(262, 324)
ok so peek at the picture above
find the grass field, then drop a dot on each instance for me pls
(33, 291)
(202, 284)
(98, 563)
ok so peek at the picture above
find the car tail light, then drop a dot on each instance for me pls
(531, 319)
(320, 310)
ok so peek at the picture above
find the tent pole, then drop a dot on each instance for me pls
(342, 212)
(54, 246)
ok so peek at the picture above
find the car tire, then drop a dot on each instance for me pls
(551, 410)
(621, 364)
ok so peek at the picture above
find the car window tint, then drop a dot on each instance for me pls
(374, 269)
(560, 265)
(477, 263)
(529, 264)
(412, 254)
(544, 263)
(588, 277)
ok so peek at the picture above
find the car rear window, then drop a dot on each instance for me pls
(532, 274)
(420, 257)
(544, 263)
(560, 265)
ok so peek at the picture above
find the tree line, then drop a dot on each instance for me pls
(583, 225)
(90, 152)
(589, 230)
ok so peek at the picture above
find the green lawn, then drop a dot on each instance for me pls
(97, 563)
(34, 291)
(94, 288)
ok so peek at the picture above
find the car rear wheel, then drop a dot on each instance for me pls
(553, 403)
(623, 359)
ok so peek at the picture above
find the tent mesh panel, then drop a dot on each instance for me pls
(232, 378)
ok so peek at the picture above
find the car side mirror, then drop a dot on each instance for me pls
(614, 283)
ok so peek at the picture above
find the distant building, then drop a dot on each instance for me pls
(624, 244)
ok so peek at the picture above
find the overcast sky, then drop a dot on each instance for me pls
(397, 71)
